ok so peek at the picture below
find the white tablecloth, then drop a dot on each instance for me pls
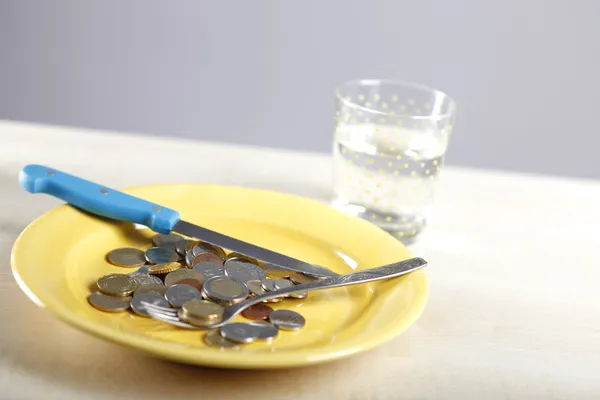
(514, 311)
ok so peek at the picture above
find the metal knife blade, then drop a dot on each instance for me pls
(110, 203)
(248, 249)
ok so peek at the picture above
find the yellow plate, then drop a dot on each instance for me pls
(59, 257)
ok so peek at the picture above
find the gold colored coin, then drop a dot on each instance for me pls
(242, 257)
(181, 274)
(202, 310)
(163, 268)
(117, 285)
(151, 288)
(215, 339)
(107, 303)
(275, 300)
(182, 315)
(277, 272)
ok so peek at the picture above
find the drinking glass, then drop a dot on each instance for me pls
(389, 145)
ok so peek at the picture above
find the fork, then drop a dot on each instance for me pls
(169, 315)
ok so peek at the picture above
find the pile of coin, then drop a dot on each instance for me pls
(198, 280)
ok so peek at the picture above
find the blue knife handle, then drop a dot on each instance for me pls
(97, 199)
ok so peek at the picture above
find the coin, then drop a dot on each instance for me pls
(177, 294)
(127, 257)
(151, 288)
(215, 339)
(183, 273)
(152, 298)
(191, 282)
(287, 320)
(243, 271)
(109, 303)
(201, 323)
(276, 272)
(210, 269)
(214, 249)
(200, 247)
(276, 299)
(282, 284)
(300, 279)
(206, 257)
(265, 330)
(144, 269)
(202, 310)
(268, 285)
(189, 257)
(225, 290)
(182, 245)
(161, 255)
(158, 269)
(189, 245)
(257, 312)
(239, 332)
(143, 278)
(243, 257)
(169, 240)
(299, 295)
(117, 285)
(255, 287)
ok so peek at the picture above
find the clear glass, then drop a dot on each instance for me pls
(389, 145)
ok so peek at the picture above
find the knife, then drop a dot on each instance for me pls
(113, 204)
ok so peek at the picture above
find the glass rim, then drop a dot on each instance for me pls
(407, 84)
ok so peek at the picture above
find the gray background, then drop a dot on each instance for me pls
(524, 73)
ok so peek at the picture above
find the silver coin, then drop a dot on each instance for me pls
(189, 257)
(161, 255)
(299, 295)
(287, 320)
(243, 271)
(177, 294)
(166, 240)
(268, 285)
(144, 269)
(239, 332)
(200, 248)
(236, 259)
(152, 298)
(224, 290)
(255, 287)
(210, 269)
(144, 278)
(282, 284)
(266, 330)
(180, 246)
(127, 257)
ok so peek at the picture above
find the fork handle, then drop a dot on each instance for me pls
(353, 278)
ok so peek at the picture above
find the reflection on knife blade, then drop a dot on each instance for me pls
(245, 248)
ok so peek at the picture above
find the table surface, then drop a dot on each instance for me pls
(514, 311)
